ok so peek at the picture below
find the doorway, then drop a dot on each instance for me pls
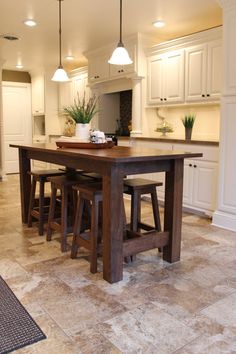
(17, 123)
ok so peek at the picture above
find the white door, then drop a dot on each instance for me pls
(174, 77)
(17, 124)
(214, 69)
(155, 79)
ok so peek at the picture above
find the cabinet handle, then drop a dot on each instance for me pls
(122, 71)
(161, 99)
(190, 165)
(203, 95)
(208, 95)
(194, 166)
(164, 99)
(118, 71)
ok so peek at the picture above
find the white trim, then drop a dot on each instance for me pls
(224, 220)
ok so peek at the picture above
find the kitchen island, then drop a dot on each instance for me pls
(113, 164)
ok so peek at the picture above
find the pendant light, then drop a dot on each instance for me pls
(60, 74)
(120, 56)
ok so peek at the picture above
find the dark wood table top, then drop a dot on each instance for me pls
(117, 154)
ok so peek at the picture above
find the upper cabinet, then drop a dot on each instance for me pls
(203, 72)
(120, 70)
(77, 86)
(38, 90)
(98, 68)
(166, 78)
(185, 70)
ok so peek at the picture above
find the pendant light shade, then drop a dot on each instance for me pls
(120, 55)
(60, 74)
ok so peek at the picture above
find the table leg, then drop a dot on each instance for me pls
(173, 210)
(113, 226)
(25, 184)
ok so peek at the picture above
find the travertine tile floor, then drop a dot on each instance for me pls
(187, 307)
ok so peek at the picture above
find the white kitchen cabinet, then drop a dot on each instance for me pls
(166, 78)
(98, 68)
(38, 92)
(65, 94)
(203, 72)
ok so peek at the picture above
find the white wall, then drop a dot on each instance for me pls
(207, 123)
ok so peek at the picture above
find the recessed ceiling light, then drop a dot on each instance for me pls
(69, 57)
(19, 66)
(30, 23)
(159, 23)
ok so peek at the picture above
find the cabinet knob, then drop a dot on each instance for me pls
(164, 99)
(194, 166)
(118, 71)
(122, 71)
(190, 165)
(208, 95)
(161, 99)
(203, 95)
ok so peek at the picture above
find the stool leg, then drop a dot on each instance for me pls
(32, 199)
(135, 211)
(77, 226)
(94, 235)
(51, 211)
(156, 212)
(64, 213)
(41, 206)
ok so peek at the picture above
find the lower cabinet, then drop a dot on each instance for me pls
(200, 175)
(200, 184)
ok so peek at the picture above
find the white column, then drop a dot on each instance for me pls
(137, 107)
(2, 174)
(225, 215)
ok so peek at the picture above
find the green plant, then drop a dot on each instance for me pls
(188, 120)
(82, 111)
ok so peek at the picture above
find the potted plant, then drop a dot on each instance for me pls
(82, 112)
(188, 122)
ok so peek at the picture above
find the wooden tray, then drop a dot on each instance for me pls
(75, 145)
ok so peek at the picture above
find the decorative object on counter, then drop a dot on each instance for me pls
(82, 112)
(69, 129)
(120, 55)
(164, 127)
(188, 122)
(60, 74)
(97, 137)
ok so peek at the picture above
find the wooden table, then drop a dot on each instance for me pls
(113, 164)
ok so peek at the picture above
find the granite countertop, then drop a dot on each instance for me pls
(176, 140)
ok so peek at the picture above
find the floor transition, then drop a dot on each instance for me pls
(188, 307)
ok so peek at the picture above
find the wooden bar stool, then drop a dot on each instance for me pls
(91, 192)
(63, 184)
(37, 207)
(136, 187)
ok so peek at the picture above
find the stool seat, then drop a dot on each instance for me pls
(68, 201)
(38, 211)
(140, 183)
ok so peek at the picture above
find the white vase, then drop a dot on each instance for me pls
(82, 132)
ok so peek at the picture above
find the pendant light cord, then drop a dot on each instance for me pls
(120, 23)
(60, 33)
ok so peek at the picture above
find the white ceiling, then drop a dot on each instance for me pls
(89, 24)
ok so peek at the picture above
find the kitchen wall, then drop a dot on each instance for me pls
(16, 76)
(206, 127)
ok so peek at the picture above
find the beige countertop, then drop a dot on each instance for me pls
(176, 140)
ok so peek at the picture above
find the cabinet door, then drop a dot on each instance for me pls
(205, 184)
(98, 68)
(214, 70)
(155, 79)
(37, 87)
(174, 77)
(65, 94)
(188, 182)
(195, 75)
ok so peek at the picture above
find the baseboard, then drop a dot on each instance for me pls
(224, 220)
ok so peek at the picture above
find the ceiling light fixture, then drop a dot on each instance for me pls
(19, 66)
(69, 57)
(120, 56)
(159, 23)
(60, 74)
(30, 23)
